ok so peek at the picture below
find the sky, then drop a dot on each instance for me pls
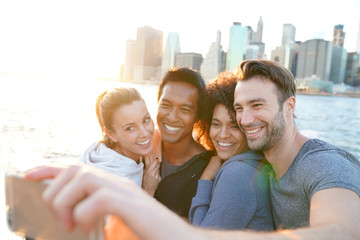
(87, 38)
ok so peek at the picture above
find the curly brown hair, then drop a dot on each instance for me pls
(219, 91)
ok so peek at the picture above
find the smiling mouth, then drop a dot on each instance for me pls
(252, 131)
(223, 144)
(144, 142)
(171, 128)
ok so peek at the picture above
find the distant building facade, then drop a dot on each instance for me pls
(339, 36)
(172, 47)
(130, 56)
(286, 54)
(259, 31)
(252, 51)
(352, 73)
(149, 47)
(288, 34)
(314, 59)
(358, 40)
(237, 46)
(190, 60)
(212, 64)
(338, 64)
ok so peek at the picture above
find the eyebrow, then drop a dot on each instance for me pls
(259, 99)
(189, 105)
(132, 123)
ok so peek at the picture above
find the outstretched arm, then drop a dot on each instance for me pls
(79, 195)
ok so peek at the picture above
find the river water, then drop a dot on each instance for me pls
(49, 120)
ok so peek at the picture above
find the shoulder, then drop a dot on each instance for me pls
(317, 153)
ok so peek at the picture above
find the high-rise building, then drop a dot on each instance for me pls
(281, 55)
(339, 36)
(259, 31)
(338, 64)
(352, 73)
(172, 47)
(149, 47)
(251, 35)
(130, 57)
(314, 59)
(190, 60)
(288, 34)
(237, 46)
(212, 64)
(252, 52)
(358, 40)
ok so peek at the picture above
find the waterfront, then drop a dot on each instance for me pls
(53, 120)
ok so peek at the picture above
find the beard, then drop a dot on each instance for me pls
(275, 131)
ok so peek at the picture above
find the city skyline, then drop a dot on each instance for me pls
(81, 36)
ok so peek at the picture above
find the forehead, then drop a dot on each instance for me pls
(180, 92)
(253, 88)
(222, 113)
(130, 113)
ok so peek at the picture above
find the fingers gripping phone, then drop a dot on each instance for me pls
(27, 214)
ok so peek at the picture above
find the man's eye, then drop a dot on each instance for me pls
(214, 124)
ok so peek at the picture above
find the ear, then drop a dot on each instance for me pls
(289, 106)
(110, 134)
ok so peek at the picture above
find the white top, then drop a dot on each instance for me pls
(99, 155)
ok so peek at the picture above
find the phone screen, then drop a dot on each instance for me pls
(27, 214)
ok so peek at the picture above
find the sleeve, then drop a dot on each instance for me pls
(233, 202)
(200, 203)
(331, 169)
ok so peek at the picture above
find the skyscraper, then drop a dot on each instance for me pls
(237, 46)
(352, 73)
(358, 40)
(338, 64)
(288, 34)
(259, 31)
(130, 56)
(190, 60)
(172, 47)
(149, 44)
(212, 63)
(339, 36)
(314, 59)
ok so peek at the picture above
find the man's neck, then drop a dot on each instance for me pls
(283, 154)
(181, 152)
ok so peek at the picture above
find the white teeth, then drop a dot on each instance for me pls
(170, 128)
(144, 142)
(225, 144)
(253, 131)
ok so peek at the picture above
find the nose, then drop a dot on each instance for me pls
(144, 132)
(245, 118)
(224, 132)
(173, 115)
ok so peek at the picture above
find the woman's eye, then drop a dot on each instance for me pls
(146, 120)
(129, 128)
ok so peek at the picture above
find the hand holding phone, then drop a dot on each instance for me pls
(29, 216)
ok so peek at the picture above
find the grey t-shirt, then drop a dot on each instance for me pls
(317, 166)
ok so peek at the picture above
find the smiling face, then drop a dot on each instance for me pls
(177, 109)
(259, 114)
(133, 130)
(225, 134)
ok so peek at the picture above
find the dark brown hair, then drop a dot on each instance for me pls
(280, 76)
(219, 91)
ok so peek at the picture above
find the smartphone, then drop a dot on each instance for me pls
(27, 214)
